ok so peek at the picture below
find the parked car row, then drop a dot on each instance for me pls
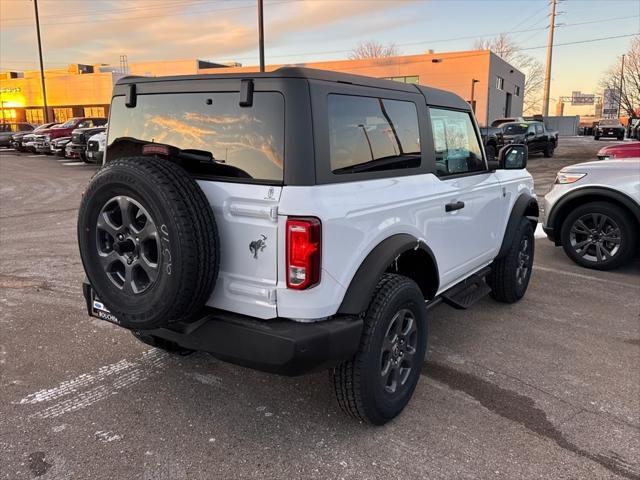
(69, 139)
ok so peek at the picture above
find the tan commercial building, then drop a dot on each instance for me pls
(494, 86)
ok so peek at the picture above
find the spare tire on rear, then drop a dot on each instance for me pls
(148, 242)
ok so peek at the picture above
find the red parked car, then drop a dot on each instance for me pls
(44, 137)
(619, 151)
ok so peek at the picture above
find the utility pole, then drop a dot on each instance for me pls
(473, 92)
(44, 89)
(261, 35)
(547, 73)
(620, 87)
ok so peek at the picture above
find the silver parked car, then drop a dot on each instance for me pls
(593, 211)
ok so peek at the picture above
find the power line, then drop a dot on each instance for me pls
(127, 19)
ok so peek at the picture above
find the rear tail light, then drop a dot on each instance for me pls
(304, 241)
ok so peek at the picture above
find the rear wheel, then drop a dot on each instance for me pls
(378, 382)
(161, 343)
(598, 235)
(510, 275)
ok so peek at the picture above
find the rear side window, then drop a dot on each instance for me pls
(369, 134)
(456, 145)
(246, 142)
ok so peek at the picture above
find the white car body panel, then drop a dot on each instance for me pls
(244, 213)
(356, 217)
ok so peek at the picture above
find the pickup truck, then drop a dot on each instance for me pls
(534, 135)
(493, 140)
(44, 137)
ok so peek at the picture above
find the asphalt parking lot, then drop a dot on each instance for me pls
(546, 388)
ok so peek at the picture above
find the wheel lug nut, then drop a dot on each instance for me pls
(120, 236)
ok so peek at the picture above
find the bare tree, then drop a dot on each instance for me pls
(374, 49)
(630, 97)
(508, 50)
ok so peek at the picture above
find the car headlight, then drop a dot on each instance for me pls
(568, 177)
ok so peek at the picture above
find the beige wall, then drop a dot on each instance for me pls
(448, 71)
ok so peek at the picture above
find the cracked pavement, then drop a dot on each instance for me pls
(546, 388)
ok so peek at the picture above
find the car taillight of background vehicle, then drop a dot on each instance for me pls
(304, 239)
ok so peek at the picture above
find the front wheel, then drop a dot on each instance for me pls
(510, 275)
(490, 150)
(598, 235)
(548, 151)
(378, 382)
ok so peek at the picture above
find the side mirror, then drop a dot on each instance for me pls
(513, 157)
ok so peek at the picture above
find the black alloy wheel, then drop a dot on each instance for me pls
(128, 244)
(525, 257)
(398, 356)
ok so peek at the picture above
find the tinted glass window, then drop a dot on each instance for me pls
(514, 128)
(456, 144)
(369, 134)
(245, 142)
(539, 129)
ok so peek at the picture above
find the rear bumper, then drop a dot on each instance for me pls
(278, 346)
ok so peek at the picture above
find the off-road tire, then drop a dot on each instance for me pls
(491, 152)
(549, 150)
(505, 279)
(161, 343)
(357, 382)
(186, 241)
(628, 235)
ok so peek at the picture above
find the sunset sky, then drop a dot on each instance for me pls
(99, 31)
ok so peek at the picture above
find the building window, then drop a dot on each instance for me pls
(62, 114)
(517, 90)
(500, 83)
(8, 114)
(94, 112)
(35, 115)
(406, 79)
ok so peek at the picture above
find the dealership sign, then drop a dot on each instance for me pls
(10, 90)
(579, 98)
(610, 103)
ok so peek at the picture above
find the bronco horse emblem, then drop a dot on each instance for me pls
(258, 246)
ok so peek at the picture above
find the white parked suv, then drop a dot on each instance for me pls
(301, 219)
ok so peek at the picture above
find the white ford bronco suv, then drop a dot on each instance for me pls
(300, 220)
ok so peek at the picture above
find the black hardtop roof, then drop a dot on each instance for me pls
(434, 96)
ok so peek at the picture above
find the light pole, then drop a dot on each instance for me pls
(473, 91)
(547, 72)
(44, 90)
(620, 87)
(261, 35)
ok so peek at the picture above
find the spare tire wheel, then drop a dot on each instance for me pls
(148, 241)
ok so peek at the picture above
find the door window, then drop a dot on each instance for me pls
(368, 134)
(456, 144)
(539, 130)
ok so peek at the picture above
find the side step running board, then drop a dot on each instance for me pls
(468, 292)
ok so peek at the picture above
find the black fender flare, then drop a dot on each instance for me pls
(607, 193)
(525, 206)
(363, 283)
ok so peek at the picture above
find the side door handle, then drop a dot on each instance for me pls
(450, 207)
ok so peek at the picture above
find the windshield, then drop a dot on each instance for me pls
(514, 128)
(246, 142)
(68, 123)
(609, 123)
